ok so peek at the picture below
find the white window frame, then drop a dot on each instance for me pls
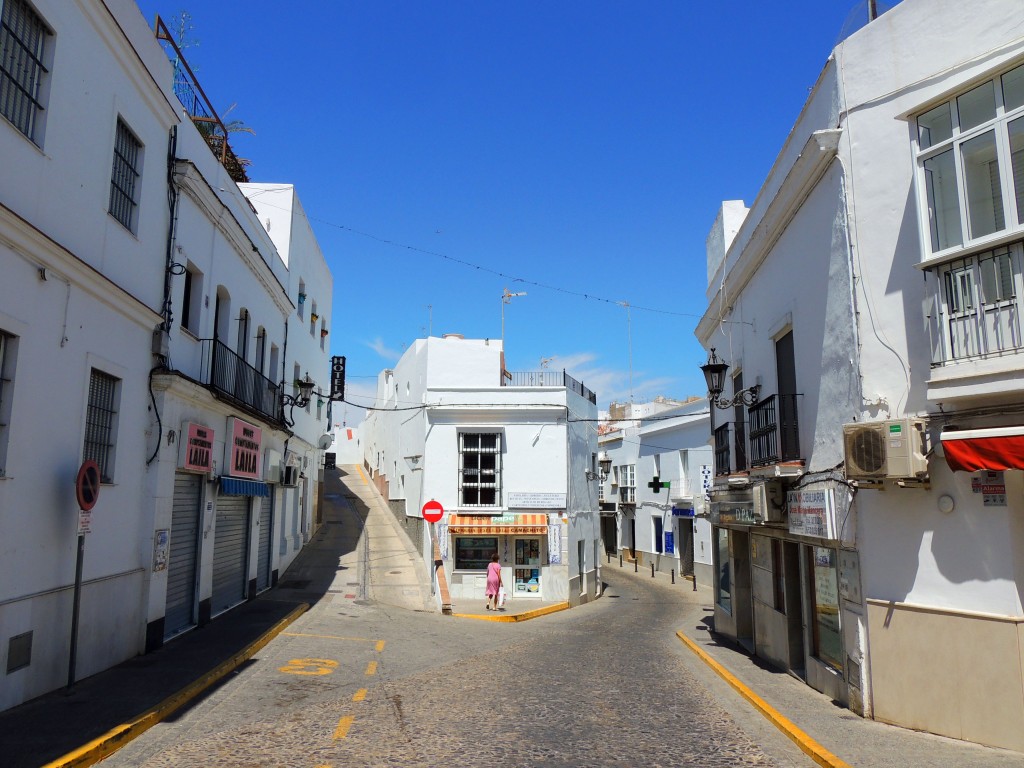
(627, 483)
(465, 470)
(998, 125)
(23, 93)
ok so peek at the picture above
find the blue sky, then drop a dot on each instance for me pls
(444, 149)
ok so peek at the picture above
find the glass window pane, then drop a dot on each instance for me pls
(943, 201)
(984, 193)
(1016, 130)
(996, 278)
(977, 106)
(724, 570)
(935, 126)
(826, 607)
(1013, 88)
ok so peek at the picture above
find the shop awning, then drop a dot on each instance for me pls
(234, 486)
(997, 449)
(528, 524)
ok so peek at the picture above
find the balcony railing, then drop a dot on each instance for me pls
(774, 430)
(547, 379)
(231, 377)
(722, 464)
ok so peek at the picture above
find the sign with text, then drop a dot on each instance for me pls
(243, 449)
(813, 513)
(991, 486)
(527, 500)
(197, 452)
(338, 377)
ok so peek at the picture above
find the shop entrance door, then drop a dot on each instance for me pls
(527, 569)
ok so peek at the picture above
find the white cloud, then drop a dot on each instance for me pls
(378, 346)
(613, 384)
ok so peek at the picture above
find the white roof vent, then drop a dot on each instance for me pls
(453, 336)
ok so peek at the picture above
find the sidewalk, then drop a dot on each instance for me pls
(803, 714)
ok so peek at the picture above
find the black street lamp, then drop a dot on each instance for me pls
(714, 374)
(301, 400)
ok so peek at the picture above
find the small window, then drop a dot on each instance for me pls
(480, 469)
(101, 423)
(23, 42)
(191, 302)
(124, 179)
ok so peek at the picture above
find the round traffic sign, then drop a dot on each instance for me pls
(87, 485)
(433, 511)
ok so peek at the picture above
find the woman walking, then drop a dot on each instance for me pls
(493, 582)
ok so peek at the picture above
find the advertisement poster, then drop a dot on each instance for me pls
(812, 513)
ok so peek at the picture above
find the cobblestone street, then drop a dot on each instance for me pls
(360, 682)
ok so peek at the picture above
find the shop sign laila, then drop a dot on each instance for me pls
(243, 449)
(198, 447)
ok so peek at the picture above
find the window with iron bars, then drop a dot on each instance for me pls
(100, 423)
(124, 178)
(480, 469)
(23, 41)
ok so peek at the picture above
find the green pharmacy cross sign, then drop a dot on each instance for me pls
(656, 484)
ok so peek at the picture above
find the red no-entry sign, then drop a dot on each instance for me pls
(87, 485)
(433, 511)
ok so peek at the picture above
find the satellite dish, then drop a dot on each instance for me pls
(325, 441)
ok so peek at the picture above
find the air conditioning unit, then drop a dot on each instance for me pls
(885, 449)
(289, 476)
(768, 502)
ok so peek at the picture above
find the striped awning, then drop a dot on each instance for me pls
(235, 486)
(530, 524)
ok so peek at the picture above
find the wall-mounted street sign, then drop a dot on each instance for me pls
(87, 485)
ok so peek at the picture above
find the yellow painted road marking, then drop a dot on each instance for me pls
(809, 746)
(343, 725)
(371, 668)
(333, 637)
(309, 667)
(360, 695)
(380, 645)
(365, 481)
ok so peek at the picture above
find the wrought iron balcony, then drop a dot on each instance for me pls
(722, 464)
(232, 378)
(774, 430)
(731, 455)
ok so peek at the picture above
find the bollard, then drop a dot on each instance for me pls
(694, 579)
(620, 560)
(673, 575)
(609, 554)
(636, 563)
(652, 570)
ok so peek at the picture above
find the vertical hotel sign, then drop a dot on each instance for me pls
(198, 448)
(243, 449)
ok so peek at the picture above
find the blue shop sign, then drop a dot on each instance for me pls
(682, 511)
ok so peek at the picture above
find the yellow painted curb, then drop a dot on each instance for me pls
(105, 745)
(513, 617)
(809, 746)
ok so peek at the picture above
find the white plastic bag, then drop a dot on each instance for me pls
(501, 597)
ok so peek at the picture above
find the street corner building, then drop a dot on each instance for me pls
(154, 323)
(510, 456)
(867, 418)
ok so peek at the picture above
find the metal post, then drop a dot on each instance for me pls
(74, 610)
(636, 563)
(673, 575)
(652, 570)
(694, 579)
(620, 560)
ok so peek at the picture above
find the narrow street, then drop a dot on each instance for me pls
(359, 680)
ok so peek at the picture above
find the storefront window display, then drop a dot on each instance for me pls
(828, 644)
(724, 569)
(473, 553)
(527, 570)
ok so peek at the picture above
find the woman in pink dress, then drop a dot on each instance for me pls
(493, 582)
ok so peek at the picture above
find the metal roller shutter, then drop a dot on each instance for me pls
(263, 565)
(179, 611)
(230, 552)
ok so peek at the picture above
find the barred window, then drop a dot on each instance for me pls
(124, 179)
(100, 421)
(7, 344)
(23, 39)
(480, 469)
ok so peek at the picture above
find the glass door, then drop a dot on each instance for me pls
(527, 568)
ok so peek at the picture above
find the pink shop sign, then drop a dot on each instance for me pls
(198, 450)
(244, 449)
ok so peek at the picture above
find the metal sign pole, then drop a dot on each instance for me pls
(74, 610)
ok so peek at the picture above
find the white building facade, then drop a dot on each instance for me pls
(510, 457)
(653, 499)
(143, 316)
(867, 507)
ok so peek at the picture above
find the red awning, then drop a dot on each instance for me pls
(997, 449)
